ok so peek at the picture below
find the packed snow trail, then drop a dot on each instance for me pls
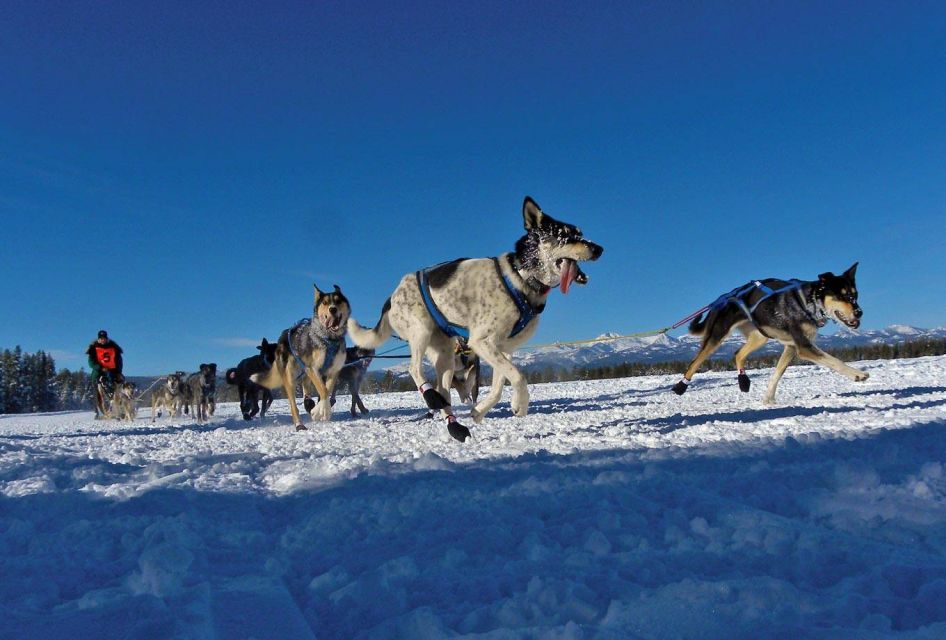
(615, 509)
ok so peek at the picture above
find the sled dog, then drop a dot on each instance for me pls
(466, 373)
(123, 401)
(313, 350)
(357, 361)
(249, 390)
(168, 396)
(202, 391)
(790, 311)
(493, 303)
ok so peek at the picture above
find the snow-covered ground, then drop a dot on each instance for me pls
(615, 509)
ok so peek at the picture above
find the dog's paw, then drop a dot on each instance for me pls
(768, 401)
(477, 415)
(520, 411)
(680, 388)
(308, 404)
(861, 376)
(301, 427)
(744, 383)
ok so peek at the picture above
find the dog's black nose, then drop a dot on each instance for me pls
(332, 309)
(857, 312)
(596, 250)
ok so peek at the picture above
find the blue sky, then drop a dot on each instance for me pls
(181, 173)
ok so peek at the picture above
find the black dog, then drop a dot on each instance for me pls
(249, 390)
(353, 373)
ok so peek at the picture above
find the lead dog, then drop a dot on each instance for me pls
(168, 396)
(790, 311)
(314, 350)
(249, 390)
(494, 303)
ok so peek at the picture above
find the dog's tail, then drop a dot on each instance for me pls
(698, 325)
(371, 338)
(231, 375)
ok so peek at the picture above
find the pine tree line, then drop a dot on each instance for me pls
(30, 383)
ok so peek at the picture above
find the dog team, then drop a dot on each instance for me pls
(460, 312)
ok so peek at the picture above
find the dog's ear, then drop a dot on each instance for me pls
(318, 294)
(531, 214)
(849, 274)
(337, 289)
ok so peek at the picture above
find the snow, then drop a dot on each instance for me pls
(615, 509)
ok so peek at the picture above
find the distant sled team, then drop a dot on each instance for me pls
(457, 312)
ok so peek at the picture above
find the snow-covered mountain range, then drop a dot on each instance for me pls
(667, 348)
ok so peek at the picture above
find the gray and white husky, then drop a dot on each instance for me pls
(493, 303)
(169, 395)
(311, 352)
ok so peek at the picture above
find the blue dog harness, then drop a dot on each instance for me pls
(738, 294)
(527, 312)
(331, 350)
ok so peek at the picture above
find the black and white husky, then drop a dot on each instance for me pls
(492, 303)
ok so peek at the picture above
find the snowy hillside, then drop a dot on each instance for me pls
(615, 509)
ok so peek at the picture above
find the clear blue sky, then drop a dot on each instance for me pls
(180, 173)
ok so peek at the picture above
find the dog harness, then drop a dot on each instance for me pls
(738, 294)
(527, 312)
(331, 350)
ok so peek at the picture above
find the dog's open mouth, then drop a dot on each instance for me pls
(333, 323)
(568, 272)
(854, 323)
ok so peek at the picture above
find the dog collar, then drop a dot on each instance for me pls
(815, 311)
(537, 286)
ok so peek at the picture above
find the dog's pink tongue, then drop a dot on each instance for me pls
(569, 271)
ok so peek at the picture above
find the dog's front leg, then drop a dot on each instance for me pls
(322, 411)
(502, 365)
(814, 354)
(495, 393)
(784, 360)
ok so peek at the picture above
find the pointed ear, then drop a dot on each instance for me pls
(337, 289)
(318, 293)
(849, 274)
(531, 214)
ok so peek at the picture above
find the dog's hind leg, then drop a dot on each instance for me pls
(267, 400)
(754, 340)
(443, 366)
(289, 386)
(435, 400)
(784, 360)
(714, 334)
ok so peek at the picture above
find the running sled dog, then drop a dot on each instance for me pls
(250, 391)
(790, 311)
(492, 303)
(169, 396)
(314, 350)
